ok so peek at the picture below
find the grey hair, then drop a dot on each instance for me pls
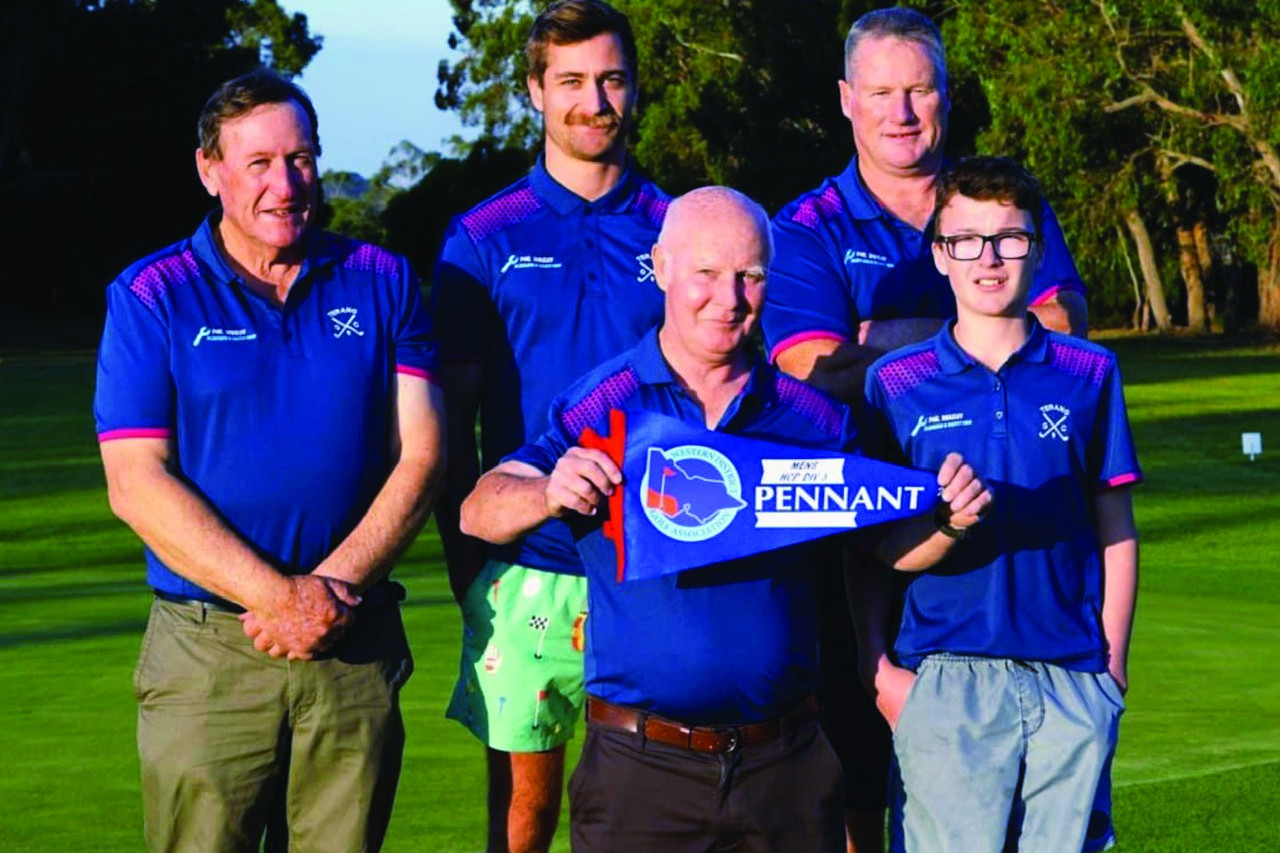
(902, 23)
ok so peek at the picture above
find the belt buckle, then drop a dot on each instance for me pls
(734, 741)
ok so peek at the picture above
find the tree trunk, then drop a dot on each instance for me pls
(1192, 277)
(1150, 269)
(1269, 286)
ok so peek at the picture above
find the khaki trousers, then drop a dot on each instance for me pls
(235, 744)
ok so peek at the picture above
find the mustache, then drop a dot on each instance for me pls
(600, 122)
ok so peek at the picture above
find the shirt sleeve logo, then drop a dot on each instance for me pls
(690, 493)
(1055, 423)
(345, 323)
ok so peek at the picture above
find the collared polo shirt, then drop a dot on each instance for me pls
(841, 258)
(1048, 431)
(280, 417)
(540, 286)
(733, 642)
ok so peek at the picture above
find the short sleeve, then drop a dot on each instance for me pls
(134, 393)
(415, 346)
(807, 297)
(462, 307)
(1057, 271)
(1112, 458)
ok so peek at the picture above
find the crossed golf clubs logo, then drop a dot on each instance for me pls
(646, 268)
(1055, 422)
(347, 326)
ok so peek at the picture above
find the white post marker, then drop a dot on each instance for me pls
(1251, 444)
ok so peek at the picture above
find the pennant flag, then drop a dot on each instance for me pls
(692, 497)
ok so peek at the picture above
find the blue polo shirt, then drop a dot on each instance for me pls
(730, 643)
(1049, 431)
(840, 258)
(540, 286)
(281, 418)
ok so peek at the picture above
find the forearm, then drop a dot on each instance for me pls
(914, 544)
(505, 505)
(867, 586)
(1119, 603)
(1066, 312)
(388, 527)
(189, 537)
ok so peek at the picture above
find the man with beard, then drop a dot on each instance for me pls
(534, 287)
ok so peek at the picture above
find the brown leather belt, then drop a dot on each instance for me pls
(715, 739)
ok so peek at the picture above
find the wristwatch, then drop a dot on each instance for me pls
(956, 533)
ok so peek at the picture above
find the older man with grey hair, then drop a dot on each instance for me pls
(702, 724)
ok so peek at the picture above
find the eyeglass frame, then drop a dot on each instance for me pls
(950, 243)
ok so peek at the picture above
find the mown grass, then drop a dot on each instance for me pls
(1199, 764)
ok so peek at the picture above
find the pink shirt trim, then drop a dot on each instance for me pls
(1067, 285)
(1121, 480)
(787, 343)
(144, 432)
(418, 372)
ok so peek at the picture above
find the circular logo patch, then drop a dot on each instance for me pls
(690, 493)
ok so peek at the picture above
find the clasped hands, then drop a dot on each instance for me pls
(305, 620)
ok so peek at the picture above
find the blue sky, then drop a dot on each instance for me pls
(374, 81)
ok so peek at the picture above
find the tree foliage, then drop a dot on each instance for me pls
(1158, 114)
(742, 93)
(97, 129)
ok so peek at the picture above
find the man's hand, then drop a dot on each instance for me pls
(581, 481)
(307, 620)
(892, 684)
(965, 498)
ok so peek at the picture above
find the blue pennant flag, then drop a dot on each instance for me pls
(692, 497)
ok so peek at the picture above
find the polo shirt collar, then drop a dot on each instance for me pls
(321, 249)
(861, 204)
(652, 369)
(952, 359)
(564, 201)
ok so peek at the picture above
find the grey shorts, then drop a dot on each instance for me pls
(986, 744)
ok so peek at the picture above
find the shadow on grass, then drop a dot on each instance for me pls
(1146, 359)
(78, 632)
(100, 589)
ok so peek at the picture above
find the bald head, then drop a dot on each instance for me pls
(711, 260)
(700, 209)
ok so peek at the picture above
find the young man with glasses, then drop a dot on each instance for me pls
(1011, 654)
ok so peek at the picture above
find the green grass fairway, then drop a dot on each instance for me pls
(1199, 764)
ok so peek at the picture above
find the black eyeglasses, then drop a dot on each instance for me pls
(1008, 245)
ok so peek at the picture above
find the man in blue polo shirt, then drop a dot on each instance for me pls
(1012, 652)
(854, 279)
(701, 719)
(534, 287)
(268, 430)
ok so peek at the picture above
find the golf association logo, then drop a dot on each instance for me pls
(345, 323)
(644, 268)
(690, 493)
(1055, 423)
